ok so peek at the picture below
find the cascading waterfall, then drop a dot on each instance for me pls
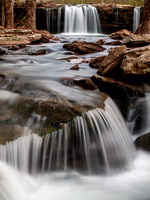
(96, 141)
(81, 19)
(136, 18)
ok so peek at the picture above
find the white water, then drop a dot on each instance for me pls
(96, 141)
(129, 185)
(81, 19)
(136, 18)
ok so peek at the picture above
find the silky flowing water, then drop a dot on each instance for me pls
(90, 157)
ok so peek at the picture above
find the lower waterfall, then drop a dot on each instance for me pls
(96, 141)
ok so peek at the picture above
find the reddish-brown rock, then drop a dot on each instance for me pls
(83, 47)
(120, 34)
(76, 67)
(96, 62)
(86, 84)
(112, 60)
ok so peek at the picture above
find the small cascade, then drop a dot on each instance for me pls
(81, 19)
(136, 18)
(96, 141)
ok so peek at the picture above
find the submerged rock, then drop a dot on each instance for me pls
(120, 34)
(37, 52)
(83, 47)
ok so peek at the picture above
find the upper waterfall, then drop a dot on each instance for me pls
(81, 19)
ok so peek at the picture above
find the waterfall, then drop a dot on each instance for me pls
(81, 19)
(96, 141)
(136, 18)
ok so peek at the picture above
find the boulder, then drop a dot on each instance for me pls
(96, 62)
(112, 60)
(83, 47)
(137, 40)
(46, 36)
(120, 34)
(76, 67)
(137, 61)
(86, 84)
(143, 142)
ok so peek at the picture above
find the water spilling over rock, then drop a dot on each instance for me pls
(96, 141)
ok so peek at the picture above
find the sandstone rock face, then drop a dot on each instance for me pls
(112, 60)
(120, 34)
(143, 142)
(137, 40)
(83, 47)
(137, 61)
(96, 62)
(18, 36)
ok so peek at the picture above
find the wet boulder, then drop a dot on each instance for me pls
(143, 142)
(37, 52)
(116, 89)
(120, 34)
(86, 84)
(137, 40)
(76, 67)
(96, 62)
(111, 61)
(83, 47)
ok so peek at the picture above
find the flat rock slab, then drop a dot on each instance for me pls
(137, 61)
(18, 36)
(137, 40)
